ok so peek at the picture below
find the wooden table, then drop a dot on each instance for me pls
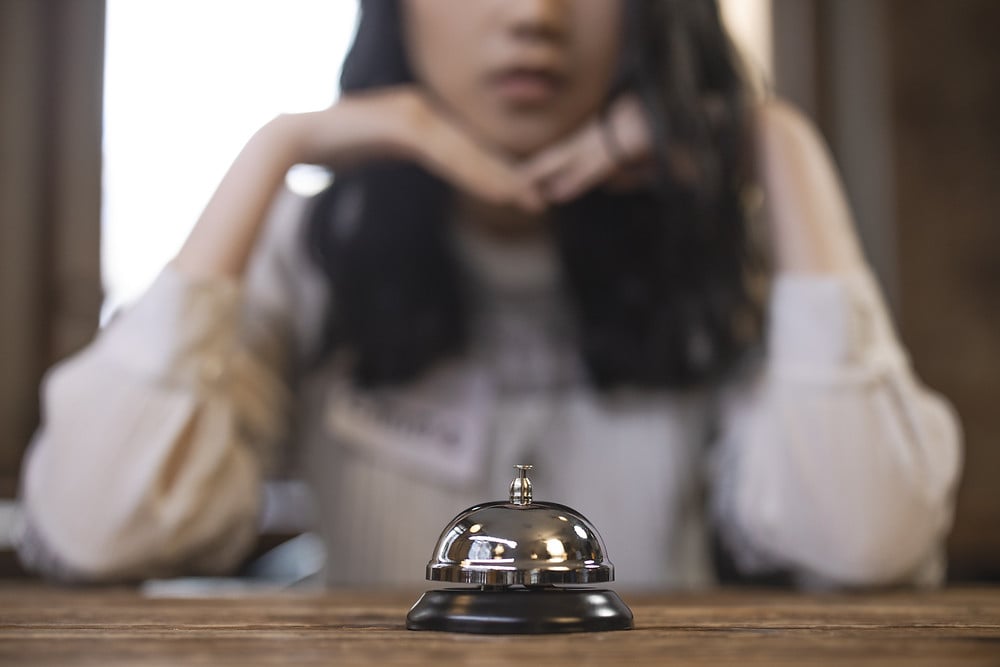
(51, 626)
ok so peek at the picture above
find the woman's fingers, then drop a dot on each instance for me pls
(604, 151)
(569, 168)
(549, 163)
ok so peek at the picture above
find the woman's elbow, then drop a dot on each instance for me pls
(103, 553)
(95, 538)
(875, 559)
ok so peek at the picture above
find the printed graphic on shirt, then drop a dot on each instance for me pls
(436, 430)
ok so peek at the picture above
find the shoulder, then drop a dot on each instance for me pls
(810, 221)
(285, 221)
(279, 254)
(782, 130)
(779, 113)
(281, 278)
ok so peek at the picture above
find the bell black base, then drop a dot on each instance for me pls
(519, 611)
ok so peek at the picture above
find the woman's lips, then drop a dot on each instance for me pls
(526, 87)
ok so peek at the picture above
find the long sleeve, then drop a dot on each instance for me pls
(834, 462)
(149, 457)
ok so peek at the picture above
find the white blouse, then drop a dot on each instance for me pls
(827, 459)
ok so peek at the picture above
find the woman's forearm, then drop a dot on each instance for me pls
(353, 129)
(396, 122)
(224, 236)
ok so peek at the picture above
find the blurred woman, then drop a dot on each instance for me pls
(563, 233)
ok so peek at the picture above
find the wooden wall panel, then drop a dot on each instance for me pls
(945, 59)
(51, 73)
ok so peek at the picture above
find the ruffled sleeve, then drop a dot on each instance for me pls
(153, 439)
(835, 463)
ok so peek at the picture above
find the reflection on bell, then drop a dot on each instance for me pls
(520, 554)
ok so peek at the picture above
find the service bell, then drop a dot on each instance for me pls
(522, 555)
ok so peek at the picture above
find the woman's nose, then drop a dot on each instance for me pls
(537, 19)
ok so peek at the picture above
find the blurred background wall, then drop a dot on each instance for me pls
(945, 93)
(905, 91)
(51, 65)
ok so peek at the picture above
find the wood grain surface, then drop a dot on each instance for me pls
(52, 626)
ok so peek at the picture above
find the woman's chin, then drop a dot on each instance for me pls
(521, 140)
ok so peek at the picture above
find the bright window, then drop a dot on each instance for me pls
(187, 82)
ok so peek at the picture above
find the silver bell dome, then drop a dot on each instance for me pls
(520, 542)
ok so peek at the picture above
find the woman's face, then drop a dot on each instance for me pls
(519, 73)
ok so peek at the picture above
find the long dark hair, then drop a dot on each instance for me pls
(659, 277)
